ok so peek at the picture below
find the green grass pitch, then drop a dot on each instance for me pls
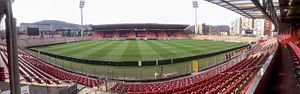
(137, 50)
(157, 49)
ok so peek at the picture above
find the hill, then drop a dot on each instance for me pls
(58, 24)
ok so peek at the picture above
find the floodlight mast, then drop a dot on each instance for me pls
(195, 5)
(81, 6)
(12, 49)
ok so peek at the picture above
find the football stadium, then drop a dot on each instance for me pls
(258, 53)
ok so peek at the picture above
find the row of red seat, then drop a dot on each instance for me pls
(63, 75)
(2, 76)
(234, 78)
(23, 72)
(295, 49)
(212, 84)
(263, 47)
(283, 36)
(140, 34)
(41, 74)
(32, 69)
(177, 82)
(3, 70)
(294, 54)
(230, 80)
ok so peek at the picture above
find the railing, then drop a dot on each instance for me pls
(134, 72)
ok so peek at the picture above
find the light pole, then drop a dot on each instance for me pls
(81, 5)
(195, 5)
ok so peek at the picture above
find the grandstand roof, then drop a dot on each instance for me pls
(138, 26)
(2, 8)
(243, 7)
(289, 11)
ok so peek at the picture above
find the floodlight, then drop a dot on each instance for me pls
(81, 4)
(195, 4)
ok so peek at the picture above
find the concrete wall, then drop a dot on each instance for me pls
(4, 86)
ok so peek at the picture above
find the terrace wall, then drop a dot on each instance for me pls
(25, 42)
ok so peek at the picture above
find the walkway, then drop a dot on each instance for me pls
(283, 80)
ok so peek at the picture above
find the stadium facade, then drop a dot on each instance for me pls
(246, 26)
(139, 31)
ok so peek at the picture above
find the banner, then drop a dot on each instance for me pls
(139, 63)
(195, 64)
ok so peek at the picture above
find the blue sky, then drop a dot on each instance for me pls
(122, 11)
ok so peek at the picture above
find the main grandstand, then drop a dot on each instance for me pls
(139, 31)
(155, 58)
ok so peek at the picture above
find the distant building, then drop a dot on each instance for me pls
(36, 30)
(201, 29)
(259, 27)
(246, 26)
(204, 29)
(236, 27)
(41, 27)
(267, 27)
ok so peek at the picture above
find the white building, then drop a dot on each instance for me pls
(246, 26)
(42, 27)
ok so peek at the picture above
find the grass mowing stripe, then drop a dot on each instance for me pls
(198, 43)
(218, 45)
(138, 49)
(205, 43)
(131, 53)
(174, 48)
(146, 71)
(61, 47)
(82, 52)
(117, 52)
(73, 48)
(99, 51)
(163, 52)
(198, 46)
(146, 52)
(176, 52)
(76, 48)
(222, 46)
(188, 48)
(74, 44)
